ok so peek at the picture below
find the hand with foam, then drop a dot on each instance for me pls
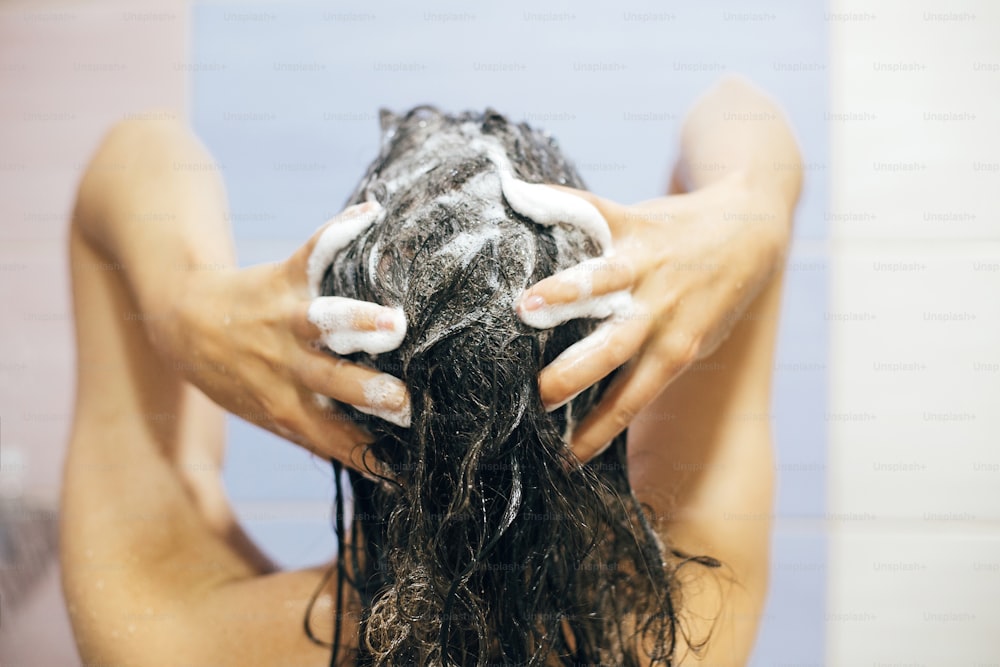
(255, 340)
(347, 325)
(692, 265)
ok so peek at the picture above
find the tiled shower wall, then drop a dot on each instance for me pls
(914, 323)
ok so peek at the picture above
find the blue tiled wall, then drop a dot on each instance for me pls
(286, 98)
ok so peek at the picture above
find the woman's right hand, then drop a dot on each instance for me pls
(243, 337)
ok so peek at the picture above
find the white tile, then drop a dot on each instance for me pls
(914, 119)
(915, 380)
(898, 597)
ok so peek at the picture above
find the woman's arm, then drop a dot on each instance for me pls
(705, 269)
(155, 571)
(152, 204)
(148, 575)
(700, 455)
(694, 262)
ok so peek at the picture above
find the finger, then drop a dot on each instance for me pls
(592, 277)
(320, 428)
(347, 325)
(363, 460)
(589, 360)
(364, 317)
(628, 394)
(367, 389)
(618, 304)
(338, 437)
(352, 451)
(546, 205)
(333, 236)
(298, 261)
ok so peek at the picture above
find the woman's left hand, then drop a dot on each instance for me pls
(246, 338)
(693, 263)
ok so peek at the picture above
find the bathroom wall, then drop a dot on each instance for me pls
(914, 326)
(887, 531)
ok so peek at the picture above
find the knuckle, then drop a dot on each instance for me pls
(557, 388)
(682, 351)
(628, 270)
(283, 420)
(283, 410)
(619, 349)
(340, 369)
(624, 415)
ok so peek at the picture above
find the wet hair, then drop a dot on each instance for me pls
(491, 544)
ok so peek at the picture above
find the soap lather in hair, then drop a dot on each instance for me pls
(542, 205)
(488, 542)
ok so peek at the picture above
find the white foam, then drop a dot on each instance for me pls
(598, 307)
(570, 423)
(380, 394)
(334, 316)
(465, 245)
(549, 206)
(340, 231)
(582, 276)
(323, 402)
(397, 179)
(546, 205)
(484, 186)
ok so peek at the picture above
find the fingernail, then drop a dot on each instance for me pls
(386, 320)
(385, 397)
(386, 392)
(395, 396)
(533, 302)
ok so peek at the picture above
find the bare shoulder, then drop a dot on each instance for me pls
(262, 621)
(146, 571)
(701, 458)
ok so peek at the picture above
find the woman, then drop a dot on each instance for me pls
(154, 563)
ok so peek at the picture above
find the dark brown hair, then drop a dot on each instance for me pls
(493, 545)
